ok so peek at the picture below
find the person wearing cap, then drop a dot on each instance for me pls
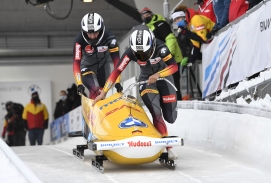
(162, 30)
(36, 116)
(93, 46)
(195, 27)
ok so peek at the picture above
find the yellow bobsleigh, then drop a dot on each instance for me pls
(118, 129)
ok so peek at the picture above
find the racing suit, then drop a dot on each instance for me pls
(162, 31)
(91, 63)
(156, 96)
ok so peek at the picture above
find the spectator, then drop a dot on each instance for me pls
(92, 47)
(206, 9)
(237, 9)
(184, 42)
(201, 25)
(63, 106)
(221, 9)
(36, 115)
(74, 100)
(18, 125)
(7, 121)
(162, 31)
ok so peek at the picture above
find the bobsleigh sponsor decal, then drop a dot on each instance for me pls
(111, 144)
(111, 102)
(139, 144)
(165, 141)
(130, 122)
(118, 108)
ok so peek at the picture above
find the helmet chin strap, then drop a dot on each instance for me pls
(154, 47)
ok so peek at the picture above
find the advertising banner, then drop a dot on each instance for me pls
(239, 52)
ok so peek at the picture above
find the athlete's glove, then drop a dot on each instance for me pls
(118, 87)
(185, 62)
(80, 89)
(212, 32)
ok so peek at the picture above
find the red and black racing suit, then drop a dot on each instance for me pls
(156, 96)
(91, 63)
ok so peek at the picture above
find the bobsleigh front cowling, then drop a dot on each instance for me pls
(122, 131)
(115, 118)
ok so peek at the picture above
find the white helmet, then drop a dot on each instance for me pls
(142, 42)
(92, 22)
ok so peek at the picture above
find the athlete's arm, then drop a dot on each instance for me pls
(172, 66)
(114, 53)
(121, 65)
(77, 56)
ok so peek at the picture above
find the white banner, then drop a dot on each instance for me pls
(20, 92)
(239, 52)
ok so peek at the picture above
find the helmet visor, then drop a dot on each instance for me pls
(143, 56)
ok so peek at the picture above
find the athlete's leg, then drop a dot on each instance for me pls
(151, 98)
(169, 107)
(103, 73)
(168, 100)
(90, 81)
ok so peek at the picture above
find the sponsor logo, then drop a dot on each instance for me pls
(130, 122)
(155, 60)
(10, 89)
(77, 51)
(265, 24)
(111, 102)
(163, 50)
(169, 98)
(200, 27)
(141, 63)
(124, 63)
(83, 70)
(112, 111)
(139, 48)
(112, 144)
(102, 48)
(34, 88)
(89, 114)
(113, 41)
(78, 77)
(89, 49)
(139, 37)
(90, 27)
(139, 144)
(165, 141)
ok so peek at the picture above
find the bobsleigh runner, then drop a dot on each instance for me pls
(118, 129)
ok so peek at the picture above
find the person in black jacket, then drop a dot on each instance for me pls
(63, 106)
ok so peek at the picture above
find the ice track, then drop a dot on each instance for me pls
(219, 147)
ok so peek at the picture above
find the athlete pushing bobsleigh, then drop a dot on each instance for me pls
(117, 128)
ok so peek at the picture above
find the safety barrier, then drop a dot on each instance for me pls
(21, 173)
